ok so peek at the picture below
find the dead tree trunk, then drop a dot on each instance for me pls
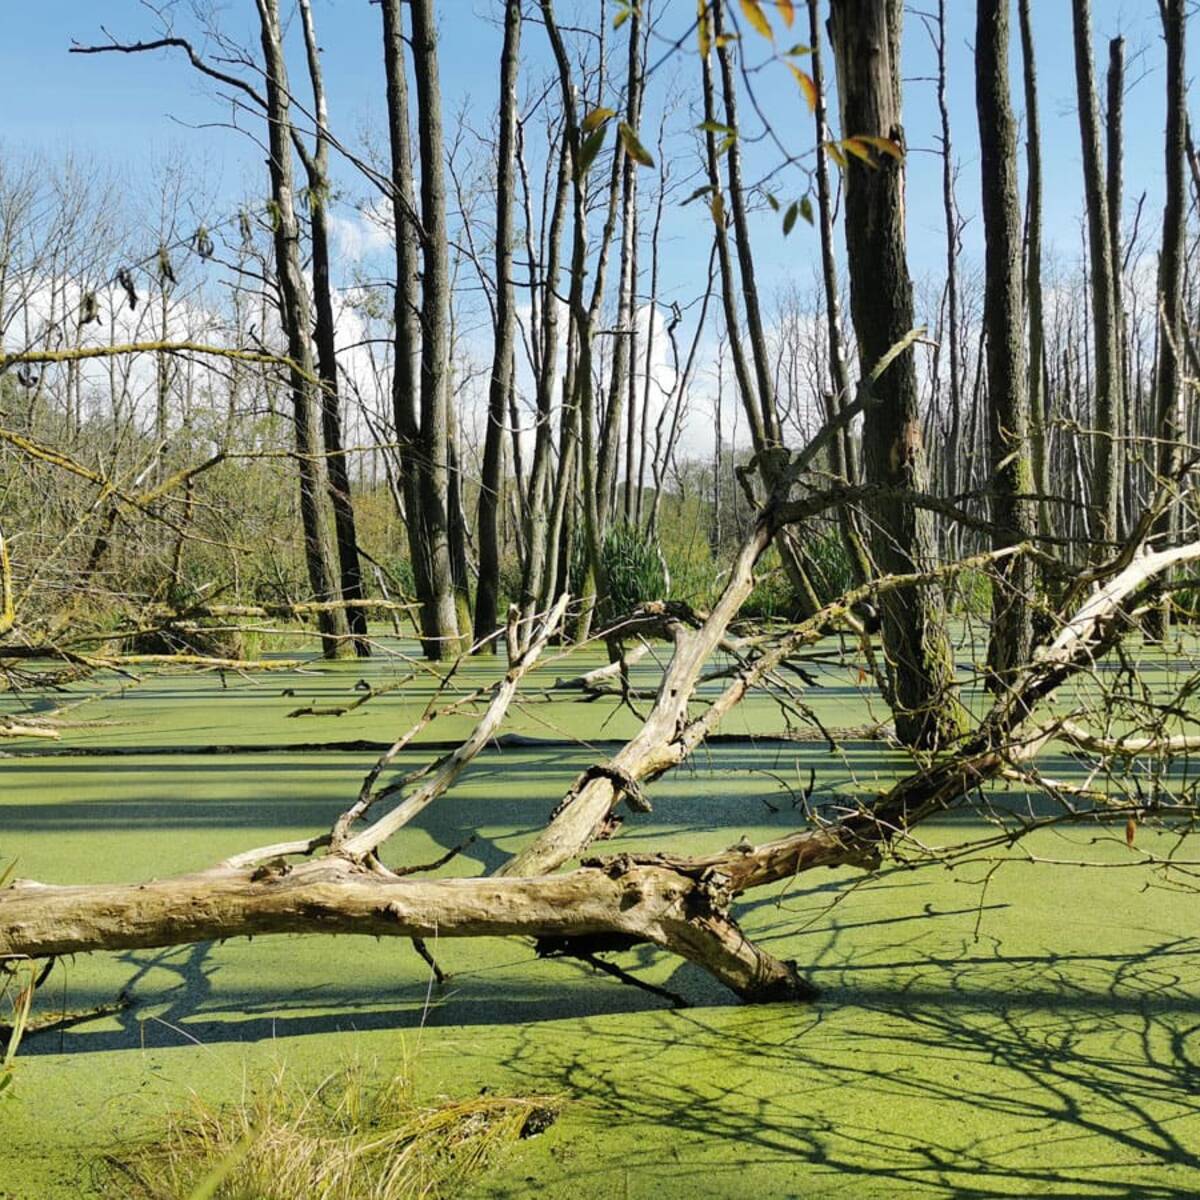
(955, 482)
(491, 492)
(316, 166)
(843, 458)
(866, 42)
(1103, 527)
(407, 332)
(680, 904)
(538, 547)
(752, 372)
(294, 313)
(1114, 187)
(1008, 423)
(434, 466)
(1171, 417)
(1038, 413)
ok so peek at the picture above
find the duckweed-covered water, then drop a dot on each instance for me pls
(1032, 1036)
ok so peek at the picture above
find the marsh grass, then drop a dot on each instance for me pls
(356, 1136)
(17, 987)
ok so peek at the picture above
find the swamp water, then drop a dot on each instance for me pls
(1036, 1036)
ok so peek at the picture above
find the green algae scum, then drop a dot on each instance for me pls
(990, 1030)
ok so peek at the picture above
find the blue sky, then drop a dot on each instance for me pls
(131, 111)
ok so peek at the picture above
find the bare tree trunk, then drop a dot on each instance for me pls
(538, 546)
(294, 313)
(1008, 424)
(491, 490)
(583, 315)
(1038, 411)
(757, 390)
(1169, 373)
(953, 249)
(866, 42)
(1114, 188)
(435, 321)
(623, 352)
(316, 166)
(405, 386)
(844, 461)
(1104, 330)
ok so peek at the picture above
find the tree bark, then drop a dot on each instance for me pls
(1004, 316)
(866, 42)
(582, 316)
(1103, 525)
(538, 547)
(753, 373)
(1171, 417)
(294, 314)
(1038, 412)
(407, 333)
(953, 249)
(434, 467)
(491, 492)
(844, 461)
(1114, 188)
(316, 166)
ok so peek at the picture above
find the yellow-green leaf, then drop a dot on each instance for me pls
(623, 16)
(883, 145)
(806, 209)
(633, 147)
(717, 208)
(834, 152)
(703, 36)
(799, 50)
(789, 217)
(755, 15)
(807, 86)
(859, 148)
(596, 118)
(589, 150)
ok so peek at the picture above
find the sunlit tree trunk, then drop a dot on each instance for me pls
(434, 467)
(752, 372)
(1004, 317)
(537, 522)
(295, 316)
(491, 493)
(407, 333)
(866, 43)
(1040, 451)
(844, 460)
(1104, 328)
(316, 165)
(1114, 186)
(1171, 405)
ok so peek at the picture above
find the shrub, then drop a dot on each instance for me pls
(633, 567)
(828, 564)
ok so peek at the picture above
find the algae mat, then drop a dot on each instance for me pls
(1034, 1037)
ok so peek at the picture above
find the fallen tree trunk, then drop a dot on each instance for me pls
(680, 904)
(651, 903)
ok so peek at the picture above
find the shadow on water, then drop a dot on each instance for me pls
(1001, 1080)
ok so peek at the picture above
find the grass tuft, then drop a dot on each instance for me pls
(354, 1137)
